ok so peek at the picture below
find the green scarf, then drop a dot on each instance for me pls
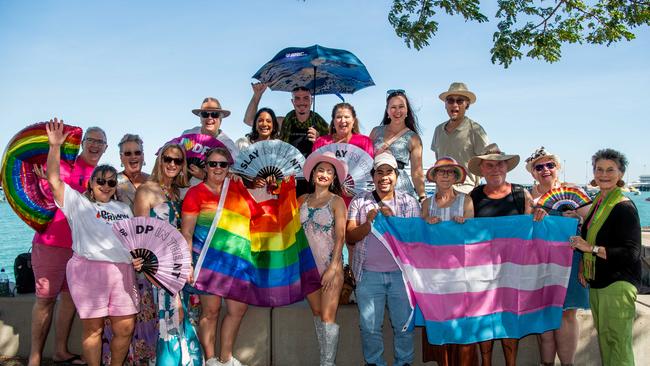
(602, 210)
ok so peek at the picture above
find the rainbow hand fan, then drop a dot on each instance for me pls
(26, 194)
(269, 157)
(165, 252)
(359, 165)
(564, 199)
(196, 145)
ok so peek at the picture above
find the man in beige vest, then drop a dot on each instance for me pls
(459, 137)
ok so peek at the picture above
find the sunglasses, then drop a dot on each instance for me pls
(129, 153)
(550, 165)
(91, 140)
(102, 182)
(220, 164)
(169, 160)
(395, 91)
(452, 101)
(210, 114)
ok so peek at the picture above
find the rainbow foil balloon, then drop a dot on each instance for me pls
(27, 194)
(564, 198)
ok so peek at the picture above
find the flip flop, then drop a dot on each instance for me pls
(71, 361)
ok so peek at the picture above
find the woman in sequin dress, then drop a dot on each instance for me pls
(323, 215)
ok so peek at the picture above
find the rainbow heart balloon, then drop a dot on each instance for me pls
(27, 194)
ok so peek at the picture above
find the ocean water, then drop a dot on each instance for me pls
(16, 236)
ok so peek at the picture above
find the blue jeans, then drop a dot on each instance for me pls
(374, 292)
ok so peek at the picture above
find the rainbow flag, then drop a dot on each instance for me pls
(258, 253)
(489, 278)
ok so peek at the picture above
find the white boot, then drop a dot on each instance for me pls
(318, 325)
(331, 343)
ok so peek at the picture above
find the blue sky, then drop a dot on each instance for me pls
(141, 66)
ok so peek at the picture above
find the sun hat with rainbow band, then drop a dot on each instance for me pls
(447, 161)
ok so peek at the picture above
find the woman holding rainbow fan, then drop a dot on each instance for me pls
(544, 167)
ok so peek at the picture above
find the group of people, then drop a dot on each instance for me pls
(78, 260)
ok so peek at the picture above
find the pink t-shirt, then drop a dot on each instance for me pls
(362, 141)
(57, 233)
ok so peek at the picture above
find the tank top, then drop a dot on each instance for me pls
(456, 208)
(318, 224)
(489, 207)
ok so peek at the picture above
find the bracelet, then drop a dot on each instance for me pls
(422, 198)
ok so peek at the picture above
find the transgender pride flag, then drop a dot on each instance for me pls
(489, 278)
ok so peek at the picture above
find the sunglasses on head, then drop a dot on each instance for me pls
(102, 182)
(129, 153)
(452, 101)
(550, 165)
(169, 160)
(395, 91)
(210, 114)
(220, 164)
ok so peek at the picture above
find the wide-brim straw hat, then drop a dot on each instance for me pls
(538, 155)
(445, 162)
(458, 88)
(493, 153)
(211, 105)
(314, 159)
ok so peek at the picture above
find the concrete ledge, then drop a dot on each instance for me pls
(285, 336)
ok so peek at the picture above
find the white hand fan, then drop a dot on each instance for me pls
(359, 166)
(269, 157)
(165, 252)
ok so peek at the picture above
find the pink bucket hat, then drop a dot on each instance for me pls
(313, 159)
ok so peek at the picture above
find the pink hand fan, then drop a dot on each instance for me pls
(165, 252)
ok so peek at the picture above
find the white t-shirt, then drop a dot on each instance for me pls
(91, 224)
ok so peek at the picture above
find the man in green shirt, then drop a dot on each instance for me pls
(300, 127)
(459, 137)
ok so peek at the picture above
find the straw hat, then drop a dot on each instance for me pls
(211, 105)
(540, 154)
(493, 153)
(313, 159)
(458, 88)
(446, 161)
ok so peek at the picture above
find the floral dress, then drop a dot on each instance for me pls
(178, 343)
(400, 150)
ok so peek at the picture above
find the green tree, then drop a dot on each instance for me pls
(534, 28)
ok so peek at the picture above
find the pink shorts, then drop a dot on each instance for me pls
(49, 263)
(101, 289)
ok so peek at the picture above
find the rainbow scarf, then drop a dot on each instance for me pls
(257, 254)
(489, 278)
(600, 212)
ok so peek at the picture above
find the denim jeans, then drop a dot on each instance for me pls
(374, 292)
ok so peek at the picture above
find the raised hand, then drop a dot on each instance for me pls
(55, 134)
(258, 88)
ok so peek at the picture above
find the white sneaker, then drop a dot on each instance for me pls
(213, 362)
(234, 362)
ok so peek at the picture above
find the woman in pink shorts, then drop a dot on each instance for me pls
(100, 274)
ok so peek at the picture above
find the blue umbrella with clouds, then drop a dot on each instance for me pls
(320, 69)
